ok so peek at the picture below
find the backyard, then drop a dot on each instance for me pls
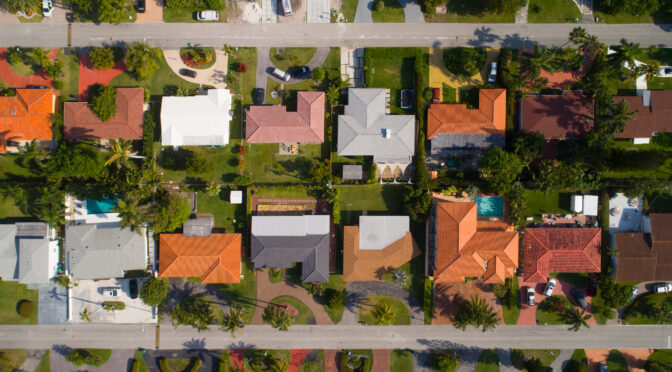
(553, 11)
(173, 164)
(539, 202)
(12, 294)
(264, 164)
(374, 199)
(227, 216)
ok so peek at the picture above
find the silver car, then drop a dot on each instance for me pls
(530, 296)
(492, 76)
(550, 286)
(47, 8)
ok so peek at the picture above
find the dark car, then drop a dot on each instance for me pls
(141, 6)
(258, 96)
(187, 72)
(602, 368)
(133, 288)
(580, 298)
(591, 290)
(300, 72)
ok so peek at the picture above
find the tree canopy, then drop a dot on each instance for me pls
(170, 213)
(103, 102)
(142, 60)
(500, 169)
(80, 160)
(102, 58)
(195, 311)
(154, 291)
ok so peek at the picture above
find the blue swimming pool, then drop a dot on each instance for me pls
(489, 206)
(100, 206)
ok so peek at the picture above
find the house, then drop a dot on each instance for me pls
(653, 114)
(561, 250)
(196, 120)
(28, 253)
(25, 117)
(454, 127)
(80, 123)
(366, 129)
(644, 257)
(101, 252)
(584, 204)
(378, 245)
(462, 246)
(274, 124)
(280, 241)
(569, 115)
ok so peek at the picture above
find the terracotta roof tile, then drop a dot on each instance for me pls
(26, 117)
(489, 118)
(273, 124)
(81, 123)
(569, 115)
(657, 117)
(646, 256)
(215, 259)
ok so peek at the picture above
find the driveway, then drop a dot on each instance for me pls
(89, 76)
(14, 80)
(88, 294)
(153, 12)
(363, 13)
(357, 291)
(448, 295)
(412, 11)
(528, 314)
(214, 75)
(52, 307)
(318, 11)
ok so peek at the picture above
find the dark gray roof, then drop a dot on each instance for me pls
(199, 226)
(35, 229)
(352, 172)
(460, 141)
(279, 241)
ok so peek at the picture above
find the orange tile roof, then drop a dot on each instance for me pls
(215, 259)
(274, 124)
(466, 247)
(361, 265)
(26, 117)
(489, 118)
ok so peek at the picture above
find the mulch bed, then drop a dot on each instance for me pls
(188, 60)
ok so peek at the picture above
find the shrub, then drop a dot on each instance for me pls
(142, 60)
(199, 164)
(380, 5)
(154, 291)
(104, 101)
(59, 84)
(77, 357)
(26, 308)
(464, 61)
(197, 365)
(446, 360)
(163, 364)
(102, 58)
(500, 290)
(241, 67)
(318, 74)
(335, 299)
(113, 305)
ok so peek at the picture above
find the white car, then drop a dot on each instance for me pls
(47, 8)
(110, 292)
(492, 76)
(550, 286)
(662, 288)
(665, 71)
(207, 15)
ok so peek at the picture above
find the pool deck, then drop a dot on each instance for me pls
(77, 213)
(464, 198)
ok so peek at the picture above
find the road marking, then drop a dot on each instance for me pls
(668, 342)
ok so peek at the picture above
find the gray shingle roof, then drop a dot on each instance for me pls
(362, 129)
(24, 252)
(279, 241)
(96, 252)
(461, 141)
(352, 172)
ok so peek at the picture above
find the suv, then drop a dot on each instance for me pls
(278, 73)
(580, 298)
(258, 96)
(133, 288)
(530, 296)
(47, 8)
(207, 15)
(492, 77)
(550, 286)
(662, 288)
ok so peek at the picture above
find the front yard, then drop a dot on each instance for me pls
(553, 11)
(392, 12)
(643, 310)
(393, 68)
(243, 293)
(11, 295)
(367, 308)
(470, 11)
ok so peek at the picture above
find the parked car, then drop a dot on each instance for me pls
(580, 298)
(110, 292)
(133, 288)
(634, 292)
(492, 76)
(303, 71)
(602, 368)
(278, 73)
(550, 286)
(286, 7)
(530, 296)
(258, 96)
(591, 289)
(437, 95)
(47, 8)
(665, 71)
(141, 6)
(662, 288)
(207, 15)
(187, 72)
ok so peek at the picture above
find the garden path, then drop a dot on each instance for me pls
(357, 291)
(331, 360)
(521, 15)
(14, 80)
(89, 76)
(214, 75)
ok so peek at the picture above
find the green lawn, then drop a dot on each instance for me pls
(173, 163)
(336, 283)
(12, 170)
(178, 364)
(401, 361)
(226, 214)
(596, 304)
(8, 207)
(313, 365)
(97, 357)
(288, 58)
(45, 364)
(243, 293)
(511, 303)
(616, 362)
(243, 82)
(366, 306)
(392, 12)
(579, 280)
(379, 199)
(187, 15)
(35, 19)
(366, 353)
(204, 51)
(11, 293)
(71, 71)
(265, 165)
(224, 361)
(348, 9)
(141, 361)
(661, 357)
(16, 357)
(546, 356)
(298, 193)
(659, 17)
(27, 69)
(488, 361)
(642, 163)
(578, 357)
(553, 11)
(304, 311)
(471, 11)
(539, 203)
(550, 317)
(391, 68)
(639, 312)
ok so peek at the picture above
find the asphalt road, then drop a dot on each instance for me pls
(323, 35)
(124, 336)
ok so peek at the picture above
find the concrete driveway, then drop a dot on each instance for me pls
(52, 304)
(89, 294)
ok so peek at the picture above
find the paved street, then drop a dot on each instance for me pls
(119, 336)
(322, 35)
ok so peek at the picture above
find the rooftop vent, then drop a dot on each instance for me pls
(14, 112)
(387, 133)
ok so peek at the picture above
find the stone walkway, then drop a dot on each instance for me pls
(214, 75)
(357, 291)
(521, 14)
(120, 360)
(267, 291)
(381, 360)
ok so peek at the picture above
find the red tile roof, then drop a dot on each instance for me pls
(646, 256)
(489, 118)
(657, 117)
(563, 250)
(569, 115)
(81, 123)
(26, 117)
(273, 124)
(215, 259)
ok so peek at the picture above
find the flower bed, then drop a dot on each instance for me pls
(200, 58)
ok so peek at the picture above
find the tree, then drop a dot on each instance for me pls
(213, 189)
(242, 180)
(79, 161)
(277, 318)
(399, 277)
(624, 56)
(85, 315)
(500, 290)
(130, 214)
(34, 155)
(318, 74)
(25, 6)
(154, 291)
(383, 313)
(572, 316)
(104, 101)
(102, 58)
(534, 365)
(529, 146)
(195, 311)
(234, 320)
(41, 57)
(54, 69)
(112, 11)
(578, 35)
(120, 149)
(142, 60)
(533, 63)
(611, 118)
(445, 360)
(662, 313)
(475, 312)
(49, 205)
(15, 56)
(650, 70)
(198, 164)
(320, 173)
(500, 169)
(170, 213)
(417, 202)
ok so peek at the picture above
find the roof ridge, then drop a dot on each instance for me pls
(213, 266)
(587, 246)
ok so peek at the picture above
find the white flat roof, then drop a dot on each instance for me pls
(236, 197)
(590, 205)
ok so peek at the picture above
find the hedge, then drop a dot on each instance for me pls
(505, 80)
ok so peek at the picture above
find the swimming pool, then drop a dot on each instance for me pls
(489, 206)
(100, 206)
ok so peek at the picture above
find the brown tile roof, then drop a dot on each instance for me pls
(563, 250)
(644, 256)
(569, 115)
(26, 117)
(81, 123)
(489, 118)
(657, 117)
(466, 247)
(215, 259)
(361, 265)
(273, 124)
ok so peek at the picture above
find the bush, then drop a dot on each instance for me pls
(59, 84)
(198, 164)
(197, 365)
(113, 305)
(136, 366)
(142, 60)
(163, 364)
(380, 5)
(26, 308)
(241, 67)
(446, 360)
(464, 61)
(335, 299)
(104, 101)
(102, 58)
(318, 74)
(154, 291)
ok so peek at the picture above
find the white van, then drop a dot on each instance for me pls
(286, 7)
(208, 15)
(278, 73)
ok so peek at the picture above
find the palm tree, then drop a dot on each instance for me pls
(33, 154)
(615, 115)
(650, 70)
(624, 55)
(578, 35)
(572, 316)
(53, 211)
(129, 213)
(213, 189)
(384, 313)
(399, 277)
(534, 62)
(277, 318)
(121, 150)
(234, 320)
(84, 315)
(475, 312)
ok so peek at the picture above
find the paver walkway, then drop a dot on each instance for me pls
(357, 291)
(298, 355)
(521, 14)
(528, 314)
(381, 360)
(363, 13)
(120, 360)
(89, 76)
(439, 74)
(214, 75)
(15, 80)
(267, 291)
(153, 12)
(331, 360)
